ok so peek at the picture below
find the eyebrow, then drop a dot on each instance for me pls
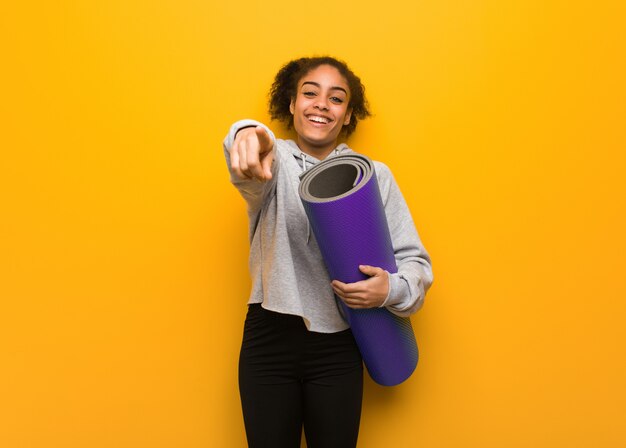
(332, 88)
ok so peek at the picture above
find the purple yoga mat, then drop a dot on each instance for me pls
(342, 201)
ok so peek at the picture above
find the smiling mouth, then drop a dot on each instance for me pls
(318, 119)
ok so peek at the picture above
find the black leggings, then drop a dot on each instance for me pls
(290, 377)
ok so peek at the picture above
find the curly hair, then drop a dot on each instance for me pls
(285, 87)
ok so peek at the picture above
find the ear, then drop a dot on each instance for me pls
(346, 121)
(292, 105)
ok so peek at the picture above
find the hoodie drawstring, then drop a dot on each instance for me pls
(308, 225)
(303, 161)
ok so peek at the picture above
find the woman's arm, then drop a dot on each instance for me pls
(408, 286)
(250, 149)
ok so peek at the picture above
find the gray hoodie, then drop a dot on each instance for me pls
(288, 274)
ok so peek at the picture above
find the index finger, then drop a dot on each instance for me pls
(265, 141)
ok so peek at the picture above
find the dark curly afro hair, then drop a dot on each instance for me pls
(285, 87)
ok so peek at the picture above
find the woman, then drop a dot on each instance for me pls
(299, 364)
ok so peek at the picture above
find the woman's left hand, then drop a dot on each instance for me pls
(369, 293)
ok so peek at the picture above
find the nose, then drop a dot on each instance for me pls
(321, 103)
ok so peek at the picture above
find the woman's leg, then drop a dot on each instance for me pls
(270, 390)
(333, 390)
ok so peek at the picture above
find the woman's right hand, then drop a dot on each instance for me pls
(252, 154)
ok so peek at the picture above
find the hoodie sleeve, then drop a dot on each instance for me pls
(252, 190)
(408, 286)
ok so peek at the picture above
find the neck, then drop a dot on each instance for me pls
(319, 152)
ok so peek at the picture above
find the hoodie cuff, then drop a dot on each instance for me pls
(398, 291)
(242, 124)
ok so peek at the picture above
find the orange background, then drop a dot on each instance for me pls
(123, 275)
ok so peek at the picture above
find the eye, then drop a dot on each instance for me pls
(308, 94)
(336, 100)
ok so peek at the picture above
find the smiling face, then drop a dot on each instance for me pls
(320, 110)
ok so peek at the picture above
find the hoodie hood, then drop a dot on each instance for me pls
(306, 161)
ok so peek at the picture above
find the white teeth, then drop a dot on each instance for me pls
(318, 119)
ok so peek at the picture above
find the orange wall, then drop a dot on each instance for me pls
(123, 246)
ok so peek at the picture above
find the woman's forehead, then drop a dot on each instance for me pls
(324, 75)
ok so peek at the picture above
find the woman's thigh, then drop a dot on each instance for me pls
(269, 387)
(333, 391)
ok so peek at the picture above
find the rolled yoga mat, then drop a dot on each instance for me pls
(343, 203)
